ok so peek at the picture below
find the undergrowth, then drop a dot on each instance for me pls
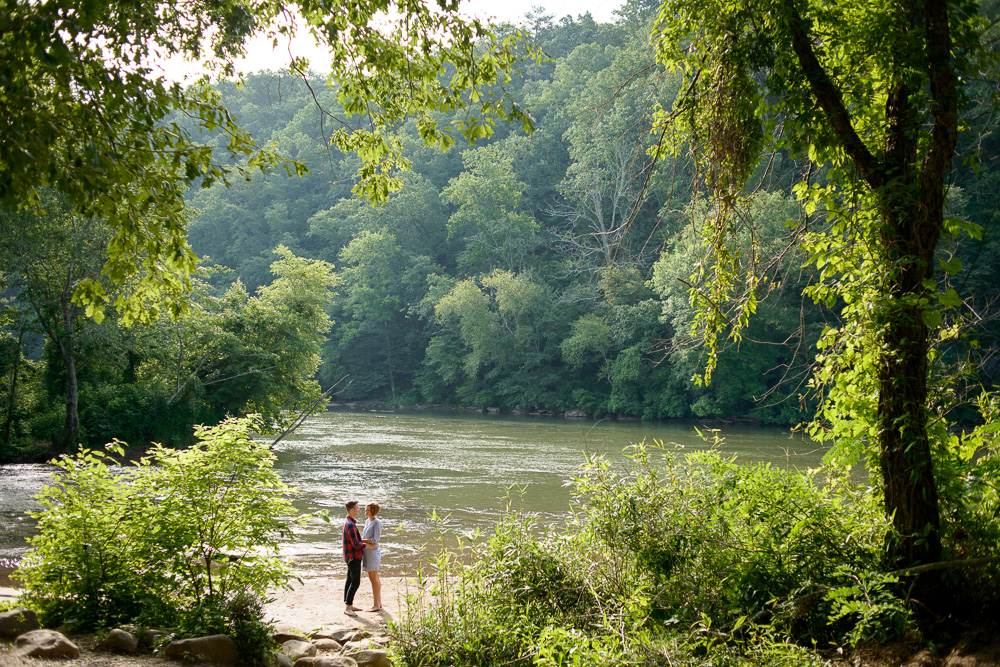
(686, 560)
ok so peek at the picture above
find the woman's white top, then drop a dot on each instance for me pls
(372, 558)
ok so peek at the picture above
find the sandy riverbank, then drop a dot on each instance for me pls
(316, 603)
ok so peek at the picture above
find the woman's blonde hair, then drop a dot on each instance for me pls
(372, 508)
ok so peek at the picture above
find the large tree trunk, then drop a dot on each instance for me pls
(909, 235)
(911, 496)
(67, 437)
(910, 189)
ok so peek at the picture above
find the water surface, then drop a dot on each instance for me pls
(467, 468)
(462, 468)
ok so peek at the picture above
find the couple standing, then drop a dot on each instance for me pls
(362, 552)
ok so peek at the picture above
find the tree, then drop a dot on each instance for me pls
(243, 354)
(380, 283)
(87, 114)
(871, 95)
(47, 256)
(500, 332)
(491, 220)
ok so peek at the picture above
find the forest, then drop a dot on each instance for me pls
(534, 272)
(777, 211)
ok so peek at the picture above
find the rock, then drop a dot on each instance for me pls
(340, 635)
(296, 649)
(976, 649)
(335, 661)
(371, 658)
(16, 622)
(358, 645)
(381, 640)
(120, 641)
(45, 644)
(283, 636)
(576, 413)
(282, 659)
(304, 662)
(214, 648)
(325, 644)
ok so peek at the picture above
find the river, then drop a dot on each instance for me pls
(417, 465)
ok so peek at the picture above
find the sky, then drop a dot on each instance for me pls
(261, 56)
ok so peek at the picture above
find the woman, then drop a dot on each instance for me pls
(372, 557)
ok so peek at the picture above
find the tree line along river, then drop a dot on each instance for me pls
(462, 468)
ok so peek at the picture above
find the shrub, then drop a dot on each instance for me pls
(731, 541)
(684, 560)
(169, 543)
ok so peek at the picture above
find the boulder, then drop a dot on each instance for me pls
(980, 648)
(296, 649)
(370, 658)
(335, 661)
(16, 622)
(925, 658)
(287, 634)
(214, 648)
(120, 640)
(327, 644)
(339, 635)
(282, 659)
(358, 645)
(576, 413)
(45, 644)
(304, 662)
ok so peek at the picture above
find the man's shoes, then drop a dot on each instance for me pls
(350, 611)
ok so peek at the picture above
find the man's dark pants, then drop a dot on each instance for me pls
(353, 580)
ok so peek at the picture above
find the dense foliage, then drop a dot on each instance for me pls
(544, 272)
(185, 539)
(235, 354)
(692, 560)
(90, 115)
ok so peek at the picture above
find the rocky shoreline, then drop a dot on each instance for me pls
(310, 630)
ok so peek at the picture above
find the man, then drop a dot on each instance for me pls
(354, 549)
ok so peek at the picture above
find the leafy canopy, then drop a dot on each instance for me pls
(87, 114)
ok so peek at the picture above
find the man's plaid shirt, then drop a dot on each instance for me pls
(353, 546)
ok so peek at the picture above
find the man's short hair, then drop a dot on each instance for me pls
(351, 504)
(373, 508)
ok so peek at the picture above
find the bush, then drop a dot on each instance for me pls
(174, 542)
(728, 541)
(685, 560)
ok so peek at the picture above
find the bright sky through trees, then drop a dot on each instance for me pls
(261, 55)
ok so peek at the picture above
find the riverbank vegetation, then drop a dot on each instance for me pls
(186, 540)
(697, 560)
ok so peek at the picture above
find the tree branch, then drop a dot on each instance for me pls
(830, 99)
